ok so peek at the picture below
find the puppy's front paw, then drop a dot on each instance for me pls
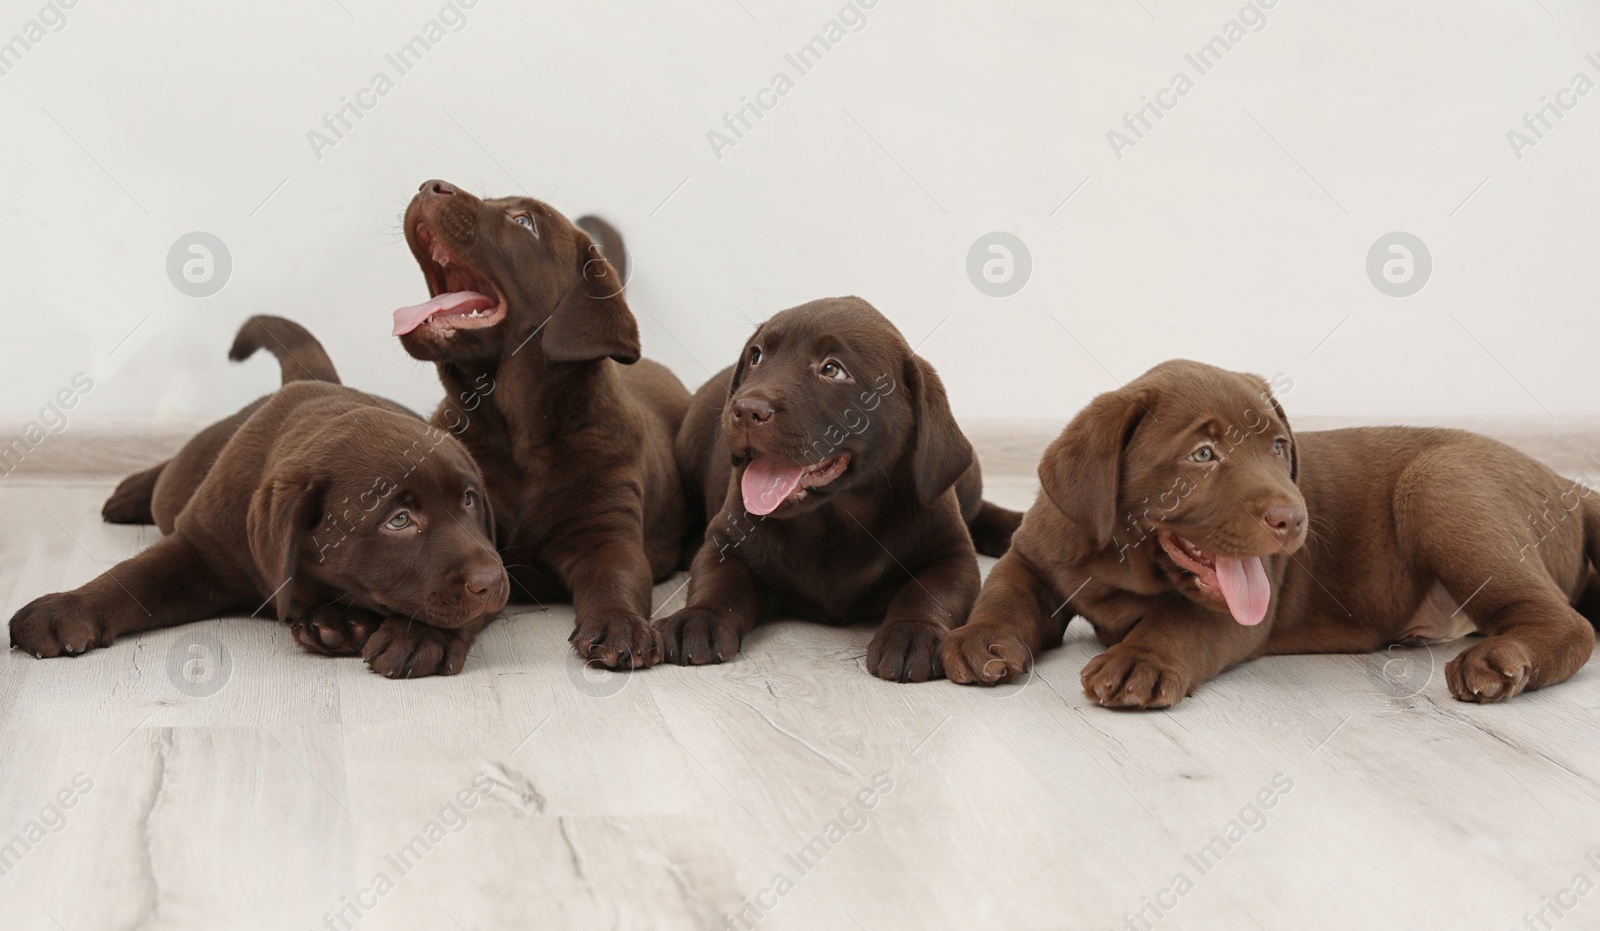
(1493, 670)
(56, 625)
(696, 636)
(404, 649)
(906, 651)
(331, 632)
(984, 655)
(616, 640)
(1132, 677)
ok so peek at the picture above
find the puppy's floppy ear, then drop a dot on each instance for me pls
(743, 364)
(282, 511)
(940, 451)
(593, 320)
(1294, 449)
(485, 505)
(1081, 470)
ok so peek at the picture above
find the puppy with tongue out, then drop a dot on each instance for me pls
(836, 482)
(1167, 514)
(1175, 517)
(538, 353)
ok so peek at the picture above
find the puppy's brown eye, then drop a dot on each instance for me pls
(471, 499)
(755, 355)
(1203, 454)
(400, 521)
(832, 369)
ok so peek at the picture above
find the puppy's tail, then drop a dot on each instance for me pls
(610, 242)
(992, 527)
(300, 356)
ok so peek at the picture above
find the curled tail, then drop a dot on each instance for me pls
(300, 356)
(609, 240)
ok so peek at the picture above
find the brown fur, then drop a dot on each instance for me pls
(300, 358)
(1401, 522)
(573, 431)
(884, 540)
(285, 503)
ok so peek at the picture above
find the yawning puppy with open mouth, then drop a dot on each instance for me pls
(838, 488)
(462, 298)
(539, 356)
(1176, 513)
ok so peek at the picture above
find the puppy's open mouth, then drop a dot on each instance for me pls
(462, 298)
(769, 481)
(1241, 583)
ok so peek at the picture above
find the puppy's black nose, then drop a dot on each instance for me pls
(483, 580)
(752, 411)
(437, 187)
(1286, 521)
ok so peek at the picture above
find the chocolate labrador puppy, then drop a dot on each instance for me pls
(836, 482)
(1194, 530)
(539, 354)
(358, 523)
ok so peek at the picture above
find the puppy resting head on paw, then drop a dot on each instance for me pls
(372, 509)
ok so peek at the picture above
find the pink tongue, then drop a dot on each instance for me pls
(1244, 584)
(407, 319)
(767, 482)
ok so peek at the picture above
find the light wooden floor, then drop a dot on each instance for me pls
(672, 797)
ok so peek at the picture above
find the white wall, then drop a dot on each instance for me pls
(1235, 232)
